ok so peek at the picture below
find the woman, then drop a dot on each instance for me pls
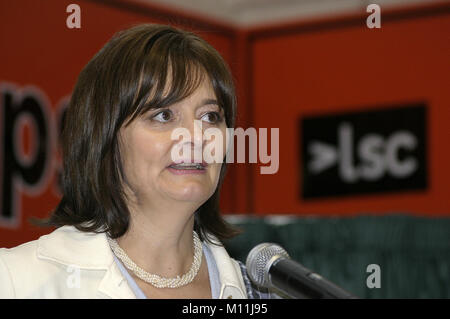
(133, 222)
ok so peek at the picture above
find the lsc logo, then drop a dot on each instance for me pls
(364, 152)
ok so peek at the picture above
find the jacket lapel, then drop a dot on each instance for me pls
(232, 284)
(86, 251)
(114, 285)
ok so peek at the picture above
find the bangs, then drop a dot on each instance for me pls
(170, 74)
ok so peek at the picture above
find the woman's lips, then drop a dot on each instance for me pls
(187, 168)
(186, 171)
(203, 163)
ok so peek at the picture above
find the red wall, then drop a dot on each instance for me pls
(282, 73)
(341, 65)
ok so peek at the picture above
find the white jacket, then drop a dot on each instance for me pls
(45, 268)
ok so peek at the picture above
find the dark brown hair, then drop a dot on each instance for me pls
(125, 79)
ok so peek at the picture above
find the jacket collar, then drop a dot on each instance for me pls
(69, 246)
(90, 251)
(232, 284)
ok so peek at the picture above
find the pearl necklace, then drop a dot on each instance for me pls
(155, 280)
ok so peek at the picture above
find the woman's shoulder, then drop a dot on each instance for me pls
(18, 265)
(64, 244)
(49, 261)
(20, 251)
(21, 258)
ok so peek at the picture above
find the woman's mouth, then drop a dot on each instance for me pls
(187, 168)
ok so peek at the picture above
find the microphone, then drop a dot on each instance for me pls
(269, 266)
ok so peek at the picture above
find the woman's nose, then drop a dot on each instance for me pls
(195, 129)
(191, 143)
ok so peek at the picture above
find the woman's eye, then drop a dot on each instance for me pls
(163, 116)
(212, 117)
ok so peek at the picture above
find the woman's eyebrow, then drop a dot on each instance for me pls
(209, 101)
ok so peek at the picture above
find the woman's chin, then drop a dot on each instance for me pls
(191, 188)
(190, 193)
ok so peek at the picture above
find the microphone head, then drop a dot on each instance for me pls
(259, 261)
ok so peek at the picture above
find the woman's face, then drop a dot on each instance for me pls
(146, 150)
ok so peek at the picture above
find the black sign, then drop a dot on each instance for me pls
(364, 152)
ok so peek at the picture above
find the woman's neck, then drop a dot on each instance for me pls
(160, 242)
